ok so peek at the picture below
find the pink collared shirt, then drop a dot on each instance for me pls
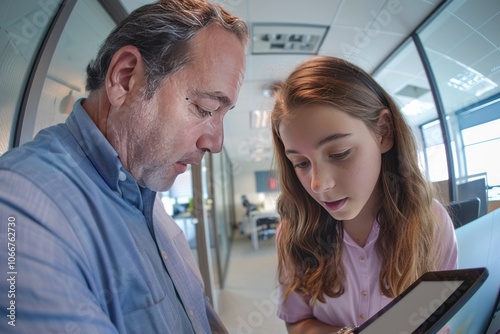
(362, 297)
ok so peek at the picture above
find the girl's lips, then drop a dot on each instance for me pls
(334, 206)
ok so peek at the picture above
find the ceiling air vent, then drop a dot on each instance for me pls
(412, 91)
(287, 38)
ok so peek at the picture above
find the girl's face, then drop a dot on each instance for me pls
(336, 158)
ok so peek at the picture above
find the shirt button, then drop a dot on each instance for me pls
(164, 255)
(191, 312)
(364, 293)
(362, 316)
(122, 176)
(118, 193)
(362, 258)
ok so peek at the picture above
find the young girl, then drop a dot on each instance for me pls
(358, 220)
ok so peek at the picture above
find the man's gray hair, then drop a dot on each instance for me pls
(161, 31)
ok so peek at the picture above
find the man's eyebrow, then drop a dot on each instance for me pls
(219, 96)
(323, 141)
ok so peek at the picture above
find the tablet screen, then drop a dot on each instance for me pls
(427, 304)
(414, 308)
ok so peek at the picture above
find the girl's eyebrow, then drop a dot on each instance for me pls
(287, 152)
(323, 141)
(330, 138)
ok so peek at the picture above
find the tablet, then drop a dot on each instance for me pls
(427, 304)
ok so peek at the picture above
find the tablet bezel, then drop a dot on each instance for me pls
(472, 279)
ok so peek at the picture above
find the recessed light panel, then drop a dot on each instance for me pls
(287, 38)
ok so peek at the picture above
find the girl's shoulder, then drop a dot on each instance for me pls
(446, 239)
(446, 228)
(440, 211)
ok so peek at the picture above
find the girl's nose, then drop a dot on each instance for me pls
(321, 180)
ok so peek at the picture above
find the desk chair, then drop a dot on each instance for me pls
(249, 209)
(267, 226)
(258, 223)
(268, 223)
(249, 206)
(463, 212)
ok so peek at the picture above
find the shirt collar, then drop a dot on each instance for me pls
(103, 156)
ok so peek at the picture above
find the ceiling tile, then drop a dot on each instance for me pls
(318, 12)
(445, 33)
(345, 42)
(357, 13)
(476, 13)
(490, 66)
(491, 30)
(469, 48)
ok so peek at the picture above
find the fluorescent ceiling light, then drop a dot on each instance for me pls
(469, 79)
(416, 107)
(287, 38)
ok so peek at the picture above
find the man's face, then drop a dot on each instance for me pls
(184, 119)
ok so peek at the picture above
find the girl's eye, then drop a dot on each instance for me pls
(341, 155)
(301, 165)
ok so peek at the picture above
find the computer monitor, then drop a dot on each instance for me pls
(475, 188)
(463, 212)
(478, 246)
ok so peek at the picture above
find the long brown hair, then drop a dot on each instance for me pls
(310, 240)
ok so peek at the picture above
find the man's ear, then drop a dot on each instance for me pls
(386, 127)
(125, 71)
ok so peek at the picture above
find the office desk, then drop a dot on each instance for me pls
(493, 205)
(253, 230)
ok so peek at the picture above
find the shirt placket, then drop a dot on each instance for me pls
(364, 290)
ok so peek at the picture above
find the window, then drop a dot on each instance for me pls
(23, 25)
(463, 49)
(482, 141)
(404, 78)
(85, 30)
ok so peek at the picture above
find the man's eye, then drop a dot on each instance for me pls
(204, 112)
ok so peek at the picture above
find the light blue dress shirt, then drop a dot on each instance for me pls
(92, 252)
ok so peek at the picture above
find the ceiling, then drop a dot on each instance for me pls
(462, 42)
(365, 32)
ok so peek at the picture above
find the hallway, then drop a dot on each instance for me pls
(248, 302)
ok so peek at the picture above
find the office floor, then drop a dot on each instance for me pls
(248, 302)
